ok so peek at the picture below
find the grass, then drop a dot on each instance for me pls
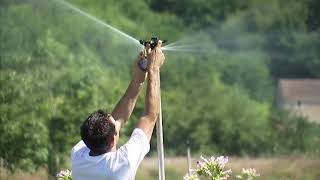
(271, 168)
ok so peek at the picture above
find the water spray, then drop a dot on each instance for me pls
(152, 43)
(99, 21)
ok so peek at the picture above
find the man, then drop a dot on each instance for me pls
(95, 157)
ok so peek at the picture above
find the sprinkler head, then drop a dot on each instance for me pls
(152, 42)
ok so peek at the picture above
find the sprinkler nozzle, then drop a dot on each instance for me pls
(152, 42)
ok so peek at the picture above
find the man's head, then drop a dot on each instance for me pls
(98, 131)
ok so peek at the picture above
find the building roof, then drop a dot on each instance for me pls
(301, 96)
(306, 91)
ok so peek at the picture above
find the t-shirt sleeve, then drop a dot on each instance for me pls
(136, 148)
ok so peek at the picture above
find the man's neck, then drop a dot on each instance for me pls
(98, 152)
(113, 149)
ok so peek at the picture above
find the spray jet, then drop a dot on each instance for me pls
(152, 43)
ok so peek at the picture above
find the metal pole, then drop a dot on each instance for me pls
(188, 157)
(189, 160)
(160, 141)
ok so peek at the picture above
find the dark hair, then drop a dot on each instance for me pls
(97, 131)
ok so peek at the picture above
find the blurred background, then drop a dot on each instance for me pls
(241, 79)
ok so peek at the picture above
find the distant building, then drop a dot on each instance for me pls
(301, 96)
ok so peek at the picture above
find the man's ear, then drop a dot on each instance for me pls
(113, 141)
(119, 124)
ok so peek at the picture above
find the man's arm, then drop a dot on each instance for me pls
(126, 104)
(152, 100)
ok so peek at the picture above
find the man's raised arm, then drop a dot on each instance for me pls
(126, 104)
(152, 100)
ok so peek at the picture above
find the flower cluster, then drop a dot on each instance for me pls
(64, 175)
(193, 176)
(248, 174)
(212, 168)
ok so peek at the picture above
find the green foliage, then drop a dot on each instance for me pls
(294, 134)
(57, 66)
(201, 13)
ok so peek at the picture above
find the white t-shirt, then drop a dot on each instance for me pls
(119, 165)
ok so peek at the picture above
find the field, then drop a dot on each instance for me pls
(270, 168)
(277, 168)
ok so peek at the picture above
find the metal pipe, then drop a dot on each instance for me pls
(189, 160)
(160, 141)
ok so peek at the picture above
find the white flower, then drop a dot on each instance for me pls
(64, 175)
(191, 177)
(213, 168)
(248, 174)
(222, 161)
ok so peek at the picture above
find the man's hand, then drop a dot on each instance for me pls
(156, 58)
(139, 76)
